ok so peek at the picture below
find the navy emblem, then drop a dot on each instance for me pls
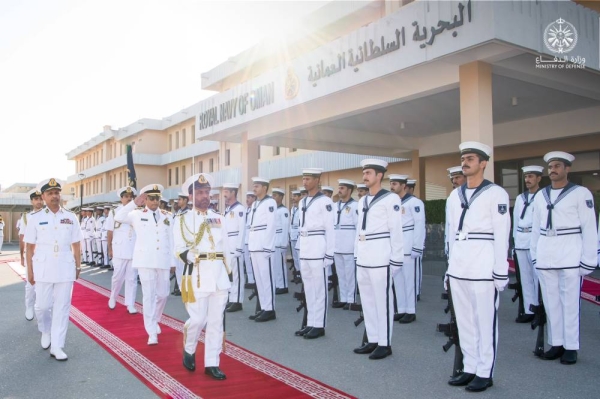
(271, 209)
(589, 203)
(286, 215)
(241, 214)
(396, 208)
(502, 208)
(417, 209)
(328, 207)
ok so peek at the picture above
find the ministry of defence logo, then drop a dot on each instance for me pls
(560, 36)
(292, 84)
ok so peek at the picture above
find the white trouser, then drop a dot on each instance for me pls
(265, 285)
(561, 290)
(98, 260)
(88, 249)
(124, 273)
(52, 306)
(476, 309)
(236, 292)
(314, 278)
(405, 282)
(1, 242)
(346, 272)
(280, 269)
(295, 255)
(105, 252)
(248, 264)
(29, 291)
(529, 279)
(155, 289)
(206, 311)
(179, 266)
(83, 251)
(375, 285)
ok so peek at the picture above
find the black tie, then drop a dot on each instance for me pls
(155, 218)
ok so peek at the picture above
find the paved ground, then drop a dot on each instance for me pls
(418, 368)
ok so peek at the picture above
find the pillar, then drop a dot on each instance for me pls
(418, 173)
(249, 167)
(476, 116)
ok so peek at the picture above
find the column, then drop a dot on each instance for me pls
(249, 167)
(418, 173)
(476, 116)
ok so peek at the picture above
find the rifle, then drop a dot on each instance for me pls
(518, 288)
(358, 322)
(301, 296)
(451, 331)
(334, 284)
(539, 321)
(255, 294)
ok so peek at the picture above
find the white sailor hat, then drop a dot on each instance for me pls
(327, 188)
(377, 164)
(411, 182)
(250, 193)
(474, 147)
(214, 192)
(107, 207)
(190, 203)
(126, 189)
(559, 156)
(296, 192)
(361, 186)
(234, 186)
(261, 180)
(87, 209)
(214, 201)
(34, 193)
(399, 178)
(346, 182)
(538, 170)
(313, 172)
(455, 170)
(164, 200)
(199, 180)
(183, 194)
(152, 190)
(101, 208)
(303, 190)
(278, 191)
(48, 184)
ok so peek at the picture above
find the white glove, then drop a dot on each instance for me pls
(415, 255)
(500, 284)
(583, 271)
(445, 282)
(328, 262)
(191, 256)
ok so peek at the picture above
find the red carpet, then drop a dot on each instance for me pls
(160, 366)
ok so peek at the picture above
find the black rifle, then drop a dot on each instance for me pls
(518, 288)
(358, 322)
(255, 294)
(334, 284)
(539, 321)
(451, 331)
(301, 296)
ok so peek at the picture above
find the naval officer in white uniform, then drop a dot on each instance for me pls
(563, 248)
(152, 254)
(121, 242)
(37, 203)
(479, 228)
(294, 225)
(53, 238)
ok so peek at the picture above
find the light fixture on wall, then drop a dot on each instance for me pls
(515, 101)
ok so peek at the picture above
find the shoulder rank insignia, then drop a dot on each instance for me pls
(589, 203)
(328, 207)
(502, 209)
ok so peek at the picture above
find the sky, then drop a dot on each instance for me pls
(69, 67)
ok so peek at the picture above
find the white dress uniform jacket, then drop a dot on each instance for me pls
(123, 240)
(282, 226)
(346, 217)
(234, 220)
(29, 289)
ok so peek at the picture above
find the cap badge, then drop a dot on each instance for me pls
(52, 183)
(202, 179)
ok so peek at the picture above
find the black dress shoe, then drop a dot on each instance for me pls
(302, 331)
(215, 373)
(234, 307)
(398, 316)
(347, 306)
(189, 361)
(461, 380)
(337, 305)
(569, 357)
(418, 297)
(408, 318)
(315, 332)
(381, 352)
(176, 293)
(280, 291)
(266, 316)
(254, 316)
(92, 264)
(105, 267)
(553, 353)
(479, 384)
(366, 348)
(524, 318)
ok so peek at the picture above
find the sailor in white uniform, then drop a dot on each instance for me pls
(261, 243)
(294, 226)
(250, 198)
(98, 259)
(316, 246)
(152, 253)
(90, 225)
(479, 221)
(456, 176)
(327, 190)
(83, 220)
(361, 190)
(104, 238)
(53, 237)
(201, 242)
(418, 207)
(121, 243)
(181, 206)
(37, 203)
(345, 219)
(234, 223)
(1, 233)
(282, 225)
(522, 222)
(563, 248)
(378, 249)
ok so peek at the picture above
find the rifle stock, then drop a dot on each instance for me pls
(451, 331)
(539, 321)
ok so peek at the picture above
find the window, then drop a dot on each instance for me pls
(227, 157)
(276, 150)
(170, 142)
(177, 139)
(177, 175)
(183, 138)
(101, 156)
(259, 147)
(211, 165)
(200, 169)
(115, 180)
(120, 179)
(170, 180)
(293, 149)
(183, 173)
(193, 134)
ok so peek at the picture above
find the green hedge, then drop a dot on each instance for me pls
(435, 211)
